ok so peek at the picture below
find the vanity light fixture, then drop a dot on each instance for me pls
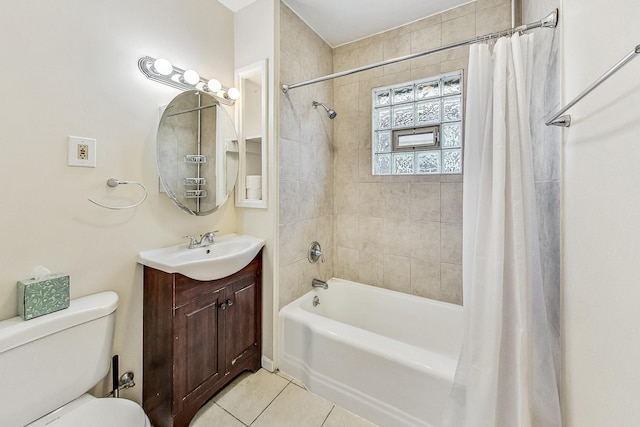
(161, 71)
(190, 77)
(233, 93)
(214, 86)
(162, 66)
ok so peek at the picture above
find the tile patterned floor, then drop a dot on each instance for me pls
(266, 399)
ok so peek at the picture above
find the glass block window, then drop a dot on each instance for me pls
(428, 112)
(428, 161)
(383, 118)
(382, 141)
(403, 163)
(409, 109)
(426, 90)
(382, 164)
(402, 94)
(451, 161)
(403, 116)
(382, 98)
(450, 135)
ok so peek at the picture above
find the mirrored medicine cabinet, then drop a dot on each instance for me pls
(251, 122)
(197, 152)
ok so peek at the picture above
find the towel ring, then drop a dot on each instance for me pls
(113, 182)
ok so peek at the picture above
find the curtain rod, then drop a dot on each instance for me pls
(550, 21)
(565, 120)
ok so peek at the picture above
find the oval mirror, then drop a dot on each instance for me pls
(197, 152)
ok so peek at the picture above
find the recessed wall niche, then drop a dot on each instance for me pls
(251, 119)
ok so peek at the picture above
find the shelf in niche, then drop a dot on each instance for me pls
(254, 145)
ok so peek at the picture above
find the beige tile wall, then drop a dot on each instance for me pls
(305, 159)
(401, 233)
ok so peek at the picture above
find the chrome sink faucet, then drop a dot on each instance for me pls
(206, 239)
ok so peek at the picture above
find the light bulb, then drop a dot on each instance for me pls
(233, 93)
(214, 85)
(162, 66)
(191, 77)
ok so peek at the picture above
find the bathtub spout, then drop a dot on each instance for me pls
(317, 283)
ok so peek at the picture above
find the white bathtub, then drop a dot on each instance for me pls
(387, 356)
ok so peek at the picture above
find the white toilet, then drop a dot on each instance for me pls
(48, 364)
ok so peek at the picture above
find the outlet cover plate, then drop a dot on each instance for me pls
(82, 152)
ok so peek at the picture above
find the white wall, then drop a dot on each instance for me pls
(547, 156)
(69, 67)
(255, 41)
(601, 229)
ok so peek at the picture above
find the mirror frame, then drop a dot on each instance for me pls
(242, 75)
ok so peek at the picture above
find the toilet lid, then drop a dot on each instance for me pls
(104, 413)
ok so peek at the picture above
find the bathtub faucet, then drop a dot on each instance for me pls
(317, 283)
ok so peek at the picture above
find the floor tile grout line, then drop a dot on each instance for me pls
(327, 417)
(272, 400)
(287, 383)
(236, 418)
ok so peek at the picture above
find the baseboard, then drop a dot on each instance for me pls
(268, 364)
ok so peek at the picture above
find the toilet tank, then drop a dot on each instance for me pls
(48, 361)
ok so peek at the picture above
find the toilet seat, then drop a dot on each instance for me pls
(96, 413)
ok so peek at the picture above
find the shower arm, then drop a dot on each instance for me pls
(330, 112)
(550, 21)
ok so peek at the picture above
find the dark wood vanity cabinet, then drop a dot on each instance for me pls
(197, 337)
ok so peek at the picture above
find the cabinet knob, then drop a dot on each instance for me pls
(223, 306)
(229, 303)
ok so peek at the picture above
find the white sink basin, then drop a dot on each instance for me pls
(229, 254)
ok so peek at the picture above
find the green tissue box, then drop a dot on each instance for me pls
(37, 297)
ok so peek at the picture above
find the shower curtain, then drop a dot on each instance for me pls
(506, 375)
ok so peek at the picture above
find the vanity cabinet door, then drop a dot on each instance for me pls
(198, 334)
(242, 325)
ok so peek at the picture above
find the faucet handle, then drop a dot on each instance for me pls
(209, 235)
(315, 253)
(192, 241)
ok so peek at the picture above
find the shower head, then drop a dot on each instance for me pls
(332, 114)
